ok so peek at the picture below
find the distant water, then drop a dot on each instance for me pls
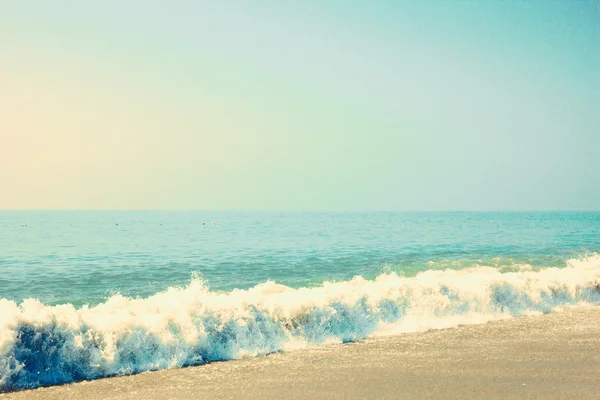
(91, 294)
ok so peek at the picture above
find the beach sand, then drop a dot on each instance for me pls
(554, 356)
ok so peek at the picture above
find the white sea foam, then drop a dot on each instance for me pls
(43, 345)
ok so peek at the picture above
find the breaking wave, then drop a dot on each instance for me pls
(44, 345)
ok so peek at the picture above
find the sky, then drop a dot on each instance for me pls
(288, 105)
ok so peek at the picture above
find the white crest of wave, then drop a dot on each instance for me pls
(42, 344)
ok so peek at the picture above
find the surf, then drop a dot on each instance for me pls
(44, 345)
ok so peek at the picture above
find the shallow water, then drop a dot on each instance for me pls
(82, 257)
(85, 295)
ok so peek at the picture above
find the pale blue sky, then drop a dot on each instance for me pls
(327, 105)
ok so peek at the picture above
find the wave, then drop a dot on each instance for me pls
(44, 345)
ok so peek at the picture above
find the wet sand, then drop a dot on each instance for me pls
(554, 356)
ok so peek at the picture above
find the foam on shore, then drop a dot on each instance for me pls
(45, 345)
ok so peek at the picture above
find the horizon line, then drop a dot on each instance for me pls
(298, 210)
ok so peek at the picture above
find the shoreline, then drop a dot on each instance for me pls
(552, 356)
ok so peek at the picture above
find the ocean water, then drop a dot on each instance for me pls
(85, 295)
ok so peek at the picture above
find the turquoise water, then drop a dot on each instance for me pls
(83, 257)
(85, 295)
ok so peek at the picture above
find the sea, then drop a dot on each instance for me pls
(92, 294)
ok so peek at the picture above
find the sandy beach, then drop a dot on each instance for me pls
(554, 356)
